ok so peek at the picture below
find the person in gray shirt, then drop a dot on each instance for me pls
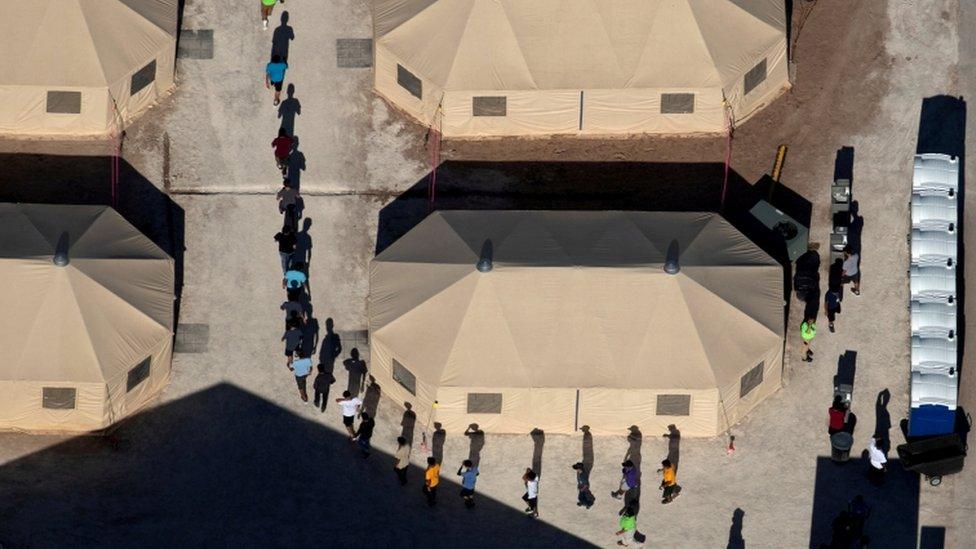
(852, 270)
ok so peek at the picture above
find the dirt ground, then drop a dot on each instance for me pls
(229, 454)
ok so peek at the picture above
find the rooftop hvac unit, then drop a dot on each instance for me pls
(936, 175)
(934, 249)
(934, 356)
(933, 284)
(933, 320)
(934, 213)
(933, 389)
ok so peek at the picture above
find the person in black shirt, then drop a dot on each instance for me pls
(286, 246)
(364, 433)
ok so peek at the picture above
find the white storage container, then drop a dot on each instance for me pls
(934, 213)
(934, 249)
(933, 284)
(936, 175)
(934, 389)
(933, 320)
(934, 355)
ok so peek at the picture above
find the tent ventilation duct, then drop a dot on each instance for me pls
(484, 262)
(671, 263)
(61, 252)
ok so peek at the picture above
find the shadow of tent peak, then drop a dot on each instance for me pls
(224, 466)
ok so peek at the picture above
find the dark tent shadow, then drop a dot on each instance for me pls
(54, 179)
(226, 467)
(894, 506)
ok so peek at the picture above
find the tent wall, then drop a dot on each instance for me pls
(581, 112)
(732, 407)
(23, 109)
(21, 407)
(612, 411)
(121, 402)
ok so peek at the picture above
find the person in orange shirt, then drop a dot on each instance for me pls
(668, 482)
(431, 479)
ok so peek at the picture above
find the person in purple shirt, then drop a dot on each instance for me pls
(628, 479)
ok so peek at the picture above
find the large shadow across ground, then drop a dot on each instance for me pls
(224, 467)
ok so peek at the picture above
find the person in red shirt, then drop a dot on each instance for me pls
(837, 416)
(282, 149)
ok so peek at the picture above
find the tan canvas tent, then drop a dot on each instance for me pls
(84, 343)
(83, 67)
(538, 67)
(576, 322)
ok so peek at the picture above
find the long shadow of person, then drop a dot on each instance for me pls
(310, 336)
(331, 346)
(477, 438)
(437, 442)
(674, 445)
(587, 449)
(282, 37)
(371, 400)
(357, 371)
(296, 165)
(735, 531)
(882, 420)
(303, 242)
(538, 441)
(408, 423)
(855, 229)
(289, 109)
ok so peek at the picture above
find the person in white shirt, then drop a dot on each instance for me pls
(350, 408)
(402, 460)
(879, 462)
(531, 496)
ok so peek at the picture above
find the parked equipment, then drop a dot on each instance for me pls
(934, 457)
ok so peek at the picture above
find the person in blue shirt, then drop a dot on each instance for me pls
(274, 75)
(295, 278)
(469, 476)
(302, 366)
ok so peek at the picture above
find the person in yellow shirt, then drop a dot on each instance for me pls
(808, 331)
(431, 479)
(668, 482)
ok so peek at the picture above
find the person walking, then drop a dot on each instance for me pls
(365, 433)
(469, 476)
(295, 278)
(302, 367)
(584, 497)
(350, 407)
(832, 306)
(531, 497)
(401, 460)
(282, 150)
(287, 196)
(294, 311)
(808, 330)
(286, 246)
(267, 6)
(859, 511)
(836, 416)
(878, 462)
(626, 536)
(669, 483)
(274, 76)
(321, 385)
(432, 477)
(852, 270)
(293, 339)
(628, 479)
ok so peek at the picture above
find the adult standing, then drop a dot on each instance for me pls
(365, 433)
(584, 497)
(852, 270)
(401, 460)
(531, 497)
(469, 477)
(286, 246)
(274, 76)
(302, 367)
(878, 462)
(432, 477)
(323, 379)
(808, 331)
(628, 527)
(350, 407)
(832, 306)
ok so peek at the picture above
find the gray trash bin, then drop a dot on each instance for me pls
(840, 446)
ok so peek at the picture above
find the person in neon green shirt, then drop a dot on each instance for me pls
(808, 330)
(628, 527)
(267, 6)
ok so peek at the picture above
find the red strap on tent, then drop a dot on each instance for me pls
(730, 129)
(433, 143)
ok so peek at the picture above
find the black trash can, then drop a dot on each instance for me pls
(840, 446)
